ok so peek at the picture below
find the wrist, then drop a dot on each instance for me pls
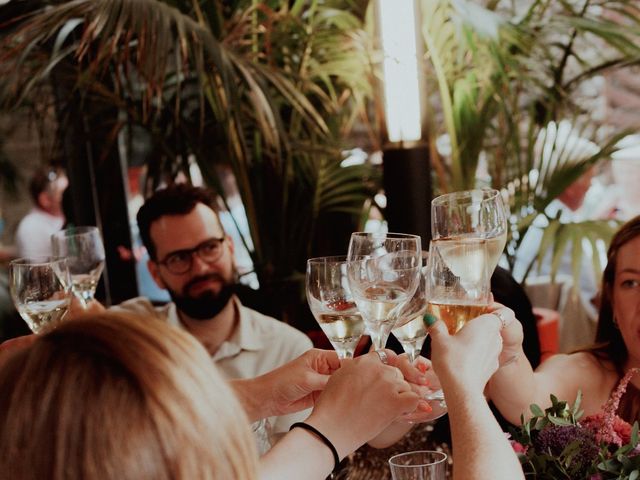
(340, 437)
(248, 392)
(322, 438)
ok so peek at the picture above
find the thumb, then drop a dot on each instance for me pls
(316, 381)
(436, 327)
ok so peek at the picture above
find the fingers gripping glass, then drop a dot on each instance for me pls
(181, 261)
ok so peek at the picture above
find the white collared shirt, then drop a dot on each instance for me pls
(257, 345)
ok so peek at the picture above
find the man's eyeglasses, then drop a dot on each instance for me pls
(181, 261)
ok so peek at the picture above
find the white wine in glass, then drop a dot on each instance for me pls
(41, 290)
(384, 271)
(410, 329)
(332, 304)
(458, 284)
(472, 214)
(84, 250)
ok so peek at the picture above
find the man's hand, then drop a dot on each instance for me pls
(78, 309)
(290, 388)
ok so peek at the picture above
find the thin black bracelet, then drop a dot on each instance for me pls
(325, 440)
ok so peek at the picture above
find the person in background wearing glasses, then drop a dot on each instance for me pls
(192, 258)
(33, 236)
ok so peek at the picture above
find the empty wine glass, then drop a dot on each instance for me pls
(383, 270)
(41, 290)
(84, 250)
(410, 329)
(332, 303)
(420, 465)
(472, 214)
(458, 281)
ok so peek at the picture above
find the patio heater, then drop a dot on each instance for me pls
(406, 166)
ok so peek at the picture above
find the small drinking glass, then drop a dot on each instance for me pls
(41, 290)
(332, 303)
(470, 214)
(84, 250)
(458, 283)
(419, 465)
(384, 269)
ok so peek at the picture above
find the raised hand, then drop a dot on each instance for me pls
(361, 399)
(290, 388)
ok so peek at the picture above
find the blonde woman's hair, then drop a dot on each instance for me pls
(120, 397)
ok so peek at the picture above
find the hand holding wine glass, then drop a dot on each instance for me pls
(41, 290)
(84, 250)
(384, 270)
(332, 303)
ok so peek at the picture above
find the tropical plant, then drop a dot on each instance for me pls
(269, 89)
(502, 73)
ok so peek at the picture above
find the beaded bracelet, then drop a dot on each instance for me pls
(325, 440)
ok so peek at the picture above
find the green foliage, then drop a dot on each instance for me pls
(572, 463)
(267, 89)
(499, 73)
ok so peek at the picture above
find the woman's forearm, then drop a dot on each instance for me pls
(485, 452)
(299, 454)
(513, 388)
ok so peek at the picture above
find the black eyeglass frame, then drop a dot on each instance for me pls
(198, 250)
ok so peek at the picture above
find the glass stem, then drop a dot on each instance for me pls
(379, 339)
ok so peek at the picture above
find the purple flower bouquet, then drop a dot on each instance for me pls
(557, 444)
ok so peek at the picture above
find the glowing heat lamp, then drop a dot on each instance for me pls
(401, 83)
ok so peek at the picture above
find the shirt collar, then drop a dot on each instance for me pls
(246, 332)
(244, 337)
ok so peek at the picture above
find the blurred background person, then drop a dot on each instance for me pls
(33, 236)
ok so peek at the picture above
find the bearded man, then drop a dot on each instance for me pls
(192, 258)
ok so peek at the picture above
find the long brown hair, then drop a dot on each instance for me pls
(120, 397)
(609, 344)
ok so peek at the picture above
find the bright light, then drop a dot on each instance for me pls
(401, 91)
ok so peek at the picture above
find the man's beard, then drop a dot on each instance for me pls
(206, 305)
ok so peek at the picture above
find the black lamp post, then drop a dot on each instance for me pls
(406, 166)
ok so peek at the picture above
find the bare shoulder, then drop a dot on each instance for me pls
(582, 371)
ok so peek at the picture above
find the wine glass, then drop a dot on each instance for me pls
(383, 270)
(472, 214)
(41, 290)
(410, 329)
(332, 303)
(83, 248)
(458, 280)
(419, 465)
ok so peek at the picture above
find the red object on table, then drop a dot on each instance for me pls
(548, 325)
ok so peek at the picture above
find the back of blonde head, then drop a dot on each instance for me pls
(119, 397)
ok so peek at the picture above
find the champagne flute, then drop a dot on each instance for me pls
(383, 270)
(411, 332)
(472, 214)
(84, 250)
(410, 329)
(458, 281)
(41, 290)
(332, 303)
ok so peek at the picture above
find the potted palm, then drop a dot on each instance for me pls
(502, 75)
(267, 89)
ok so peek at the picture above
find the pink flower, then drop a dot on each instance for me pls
(612, 429)
(518, 447)
(618, 431)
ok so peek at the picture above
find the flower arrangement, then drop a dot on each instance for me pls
(557, 444)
